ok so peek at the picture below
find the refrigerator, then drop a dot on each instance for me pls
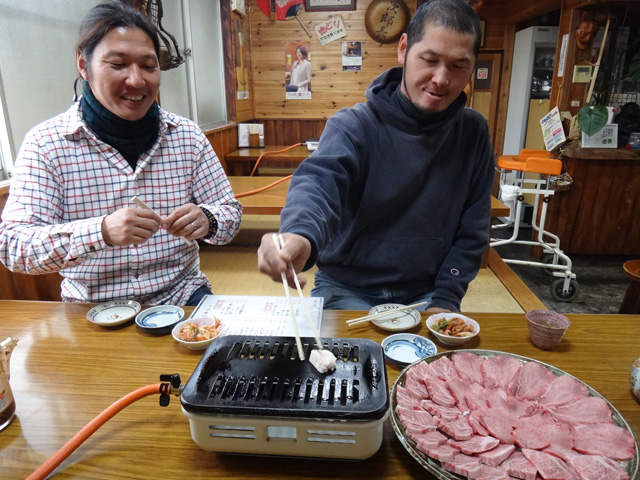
(531, 79)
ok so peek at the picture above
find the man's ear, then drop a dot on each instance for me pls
(82, 65)
(402, 48)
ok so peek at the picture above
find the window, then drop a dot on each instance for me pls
(39, 68)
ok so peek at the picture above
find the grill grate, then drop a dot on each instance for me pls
(264, 376)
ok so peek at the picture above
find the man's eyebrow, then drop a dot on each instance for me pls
(116, 53)
(438, 54)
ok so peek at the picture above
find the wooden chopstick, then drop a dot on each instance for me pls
(368, 318)
(276, 241)
(302, 299)
(141, 204)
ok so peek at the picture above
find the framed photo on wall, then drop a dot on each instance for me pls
(329, 5)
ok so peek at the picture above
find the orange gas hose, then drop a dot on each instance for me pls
(67, 449)
(269, 153)
(266, 187)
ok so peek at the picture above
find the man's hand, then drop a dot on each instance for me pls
(187, 221)
(130, 226)
(296, 250)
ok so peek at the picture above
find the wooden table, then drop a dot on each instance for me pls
(66, 370)
(271, 201)
(242, 161)
(267, 202)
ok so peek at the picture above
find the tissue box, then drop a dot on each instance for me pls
(244, 129)
(605, 138)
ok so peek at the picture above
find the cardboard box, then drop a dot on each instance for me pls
(605, 138)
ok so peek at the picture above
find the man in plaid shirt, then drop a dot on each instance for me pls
(70, 207)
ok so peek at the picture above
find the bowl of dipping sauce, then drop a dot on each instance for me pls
(159, 320)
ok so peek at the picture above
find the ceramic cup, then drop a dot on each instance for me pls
(546, 328)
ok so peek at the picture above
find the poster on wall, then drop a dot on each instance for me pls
(351, 56)
(242, 75)
(297, 70)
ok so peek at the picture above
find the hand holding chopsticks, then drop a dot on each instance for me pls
(368, 318)
(278, 240)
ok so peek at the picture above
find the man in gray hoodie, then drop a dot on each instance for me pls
(395, 204)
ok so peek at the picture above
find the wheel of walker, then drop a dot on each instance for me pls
(569, 296)
(548, 259)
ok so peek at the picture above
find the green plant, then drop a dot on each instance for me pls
(592, 118)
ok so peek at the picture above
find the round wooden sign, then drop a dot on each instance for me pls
(386, 20)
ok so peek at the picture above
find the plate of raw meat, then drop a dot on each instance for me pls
(492, 415)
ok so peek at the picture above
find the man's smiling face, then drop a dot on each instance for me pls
(123, 72)
(436, 68)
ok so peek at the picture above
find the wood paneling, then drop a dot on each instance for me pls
(598, 215)
(332, 88)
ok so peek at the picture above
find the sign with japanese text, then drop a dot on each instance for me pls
(331, 30)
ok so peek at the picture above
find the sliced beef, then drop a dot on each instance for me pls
(443, 453)
(530, 438)
(459, 389)
(415, 386)
(439, 392)
(518, 466)
(476, 444)
(560, 439)
(532, 379)
(500, 372)
(499, 424)
(604, 439)
(469, 366)
(550, 467)
(421, 417)
(429, 441)
(474, 420)
(493, 473)
(596, 467)
(443, 368)
(465, 465)
(446, 413)
(585, 410)
(563, 390)
(477, 396)
(517, 407)
(497, 455)
(457, 428)
(405, 400)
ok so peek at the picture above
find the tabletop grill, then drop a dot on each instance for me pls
(255, 396)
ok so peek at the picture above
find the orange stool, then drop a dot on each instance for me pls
(631, 300)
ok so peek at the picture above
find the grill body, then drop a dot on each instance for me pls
(255, 396)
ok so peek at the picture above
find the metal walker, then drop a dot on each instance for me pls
(565, 288)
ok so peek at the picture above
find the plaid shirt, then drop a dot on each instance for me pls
(66, 181)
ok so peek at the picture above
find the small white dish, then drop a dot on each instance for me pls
(113, 313)
(159, 320)
(201, 345)
(405, 348)
(448, 339)
(395, 322)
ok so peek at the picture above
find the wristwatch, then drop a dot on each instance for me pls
(213, 223)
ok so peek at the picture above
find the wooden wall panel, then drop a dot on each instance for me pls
(332, 88)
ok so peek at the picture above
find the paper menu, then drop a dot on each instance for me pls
(260, 315)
